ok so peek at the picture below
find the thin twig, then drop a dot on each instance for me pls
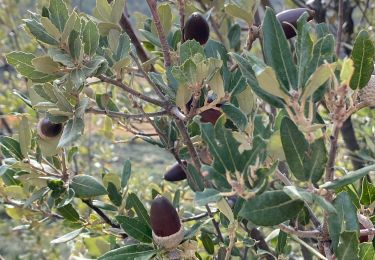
(327, 251)
(367, 232)
(287, 182)
(300, 233)
(196, 217)
(103, 216)
(145, 75)
(131, 91)
(161, 33)
(308, 247)
(187, 141)
(123, 115)
(215, 223)
(181, 10)
(339, 29)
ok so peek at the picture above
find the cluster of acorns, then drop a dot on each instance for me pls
(166, 225)
(167, 229)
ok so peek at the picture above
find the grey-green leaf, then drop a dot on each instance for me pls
(271, 208)
(344, 220)
(130, 252)
(363, 57)
(72, 131)
(351, 177)
(126, 171)
(189, 48)
(22, 63)
(135, 228)
(67, 237)
(366, 251)
(134, 202)
(90, 38)
(315, 160)
(86, 186)
(58, 13)
(12, 146)
(235, 115)
(295, 146)
(277, 52)
(207, 196)
(348, 246)
(39, 32)
(24, 136)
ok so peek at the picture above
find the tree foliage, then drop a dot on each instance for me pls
(252, 118)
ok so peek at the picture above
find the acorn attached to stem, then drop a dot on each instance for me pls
(196, 28)
(167, 229)
(49, 130)
(175, 173)
(289, 18)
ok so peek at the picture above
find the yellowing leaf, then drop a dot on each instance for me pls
(45, 64)
(50, 28)
(217, 85)
(225, 209)
(15, 192)
(347, 71)
(165, 14)
(236, 11)
(182, 97)
(268, 82)
(317, 79)
(112, 177)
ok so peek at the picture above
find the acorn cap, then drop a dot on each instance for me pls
(167, 230)
(48, 130)
(210, 116)
(175, 173)
(196, 28)
(290, 17)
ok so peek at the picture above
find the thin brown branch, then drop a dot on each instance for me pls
(367, 232)
(127, 27)
(123, 115)
(187, 141)
(196, 217)
(339, 29)
(181, 10)
(145, 75)
(161, 33)
(284, 179)
(300, 233)
(103, 216)
(131, 91)
(215, 223)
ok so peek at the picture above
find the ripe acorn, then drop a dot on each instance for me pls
(288, 20)
(48, 130)
(175, 173)
(167, 229)
(210, 116)
(196, 28)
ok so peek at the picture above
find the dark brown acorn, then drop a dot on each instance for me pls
(210, 116)
(175, 173)
(167, 229)
(288, 19)
(49, 130)
(196, 28)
